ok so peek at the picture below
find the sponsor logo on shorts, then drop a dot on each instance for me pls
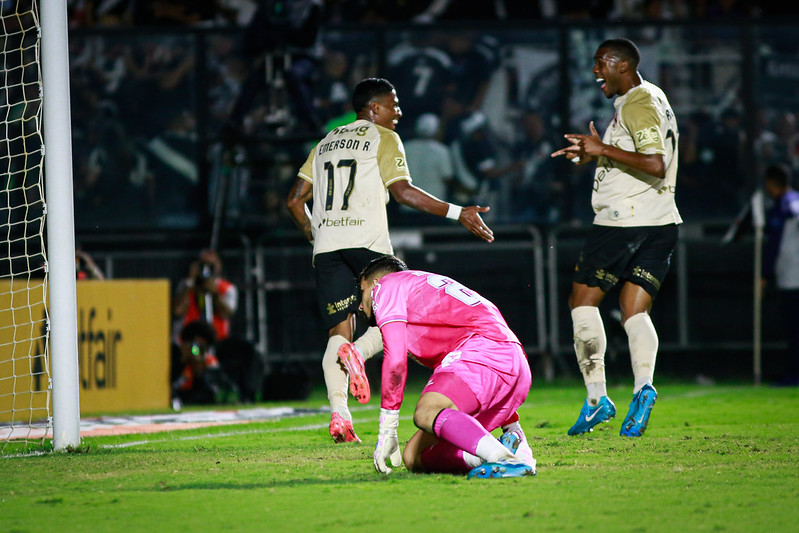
(639, 272)
(604, 275)
(341, 305)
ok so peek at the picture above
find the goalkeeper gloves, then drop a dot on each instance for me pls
(387, 443)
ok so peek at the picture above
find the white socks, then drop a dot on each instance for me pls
(336, 378)
(643, 342)
(589, 346)
(491, 450)
(370, 343)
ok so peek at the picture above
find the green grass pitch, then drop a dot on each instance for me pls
(715, 458)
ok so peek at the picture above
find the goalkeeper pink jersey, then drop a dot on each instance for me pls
(427, 316)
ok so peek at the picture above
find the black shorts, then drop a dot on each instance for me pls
(336, 277)
(640, 255)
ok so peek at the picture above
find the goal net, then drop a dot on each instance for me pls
(24, 367)
(38, 325)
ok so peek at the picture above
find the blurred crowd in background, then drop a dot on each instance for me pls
(217, 101)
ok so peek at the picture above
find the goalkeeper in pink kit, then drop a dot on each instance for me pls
(480, 374)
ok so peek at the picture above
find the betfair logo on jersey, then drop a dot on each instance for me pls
(400, 163)
(342, 222)
(647, 136)
(341, 305)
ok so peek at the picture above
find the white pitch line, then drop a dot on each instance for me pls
(308, 427)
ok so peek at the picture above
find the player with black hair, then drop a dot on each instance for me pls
(348, 176)
(480, 374)
(634, 232)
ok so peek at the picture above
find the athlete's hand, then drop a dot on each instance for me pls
(471, 220)
(387, 443)
(584, 148)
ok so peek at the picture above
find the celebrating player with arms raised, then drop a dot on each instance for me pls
(480, 374)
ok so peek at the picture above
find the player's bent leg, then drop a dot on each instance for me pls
(352, 360)
(466, 433)
(425, 453)
(370, 343)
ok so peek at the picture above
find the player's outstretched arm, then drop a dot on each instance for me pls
(412, 196)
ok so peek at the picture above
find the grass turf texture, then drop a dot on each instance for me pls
(719, 458)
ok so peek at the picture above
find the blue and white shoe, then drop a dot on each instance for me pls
(591, 415)
(518, 446)
(637, 417)
(502, 468)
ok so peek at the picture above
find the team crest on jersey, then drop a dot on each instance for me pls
(399, 162)
(647, 136)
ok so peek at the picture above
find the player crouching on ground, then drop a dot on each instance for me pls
(480, 374)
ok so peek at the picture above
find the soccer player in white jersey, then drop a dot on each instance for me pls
(634, 232)
(348, 176)
(480, 374)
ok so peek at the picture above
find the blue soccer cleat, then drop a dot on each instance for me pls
(518, 446)
(502, 468)
(590, 416)
(637, 417)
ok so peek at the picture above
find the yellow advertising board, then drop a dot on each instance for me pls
(123, 347)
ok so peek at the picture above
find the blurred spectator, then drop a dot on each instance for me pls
(196, 375)
(116, 182)
(494, 10)
(475, 58)
(781, 258)
(430, 164)
(85, 267)
(334, 90)
(205, 295)
(174, 12)
(423, 73)
(535, 192)
(282, 41)
(476, 159)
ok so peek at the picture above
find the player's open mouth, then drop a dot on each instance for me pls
(601, 81)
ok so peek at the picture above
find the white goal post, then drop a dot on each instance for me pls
(39, 393)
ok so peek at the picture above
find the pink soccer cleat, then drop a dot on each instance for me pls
(341, 430)
(359, 383)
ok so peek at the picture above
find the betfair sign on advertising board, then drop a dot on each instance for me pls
(123, 346)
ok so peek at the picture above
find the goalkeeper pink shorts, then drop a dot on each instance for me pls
(484, 378)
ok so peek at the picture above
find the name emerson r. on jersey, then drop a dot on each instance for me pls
(345, 144)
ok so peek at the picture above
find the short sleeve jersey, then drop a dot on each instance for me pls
(440, 313)
(644, 122)
(350, 170)
(428, 317)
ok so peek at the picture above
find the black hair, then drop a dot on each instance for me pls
(198, 328)
(780, 175)
(367, 90)
(624, 49)
(386, 265)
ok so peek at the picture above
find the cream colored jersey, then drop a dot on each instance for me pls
(350, 170)
(644, 123)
